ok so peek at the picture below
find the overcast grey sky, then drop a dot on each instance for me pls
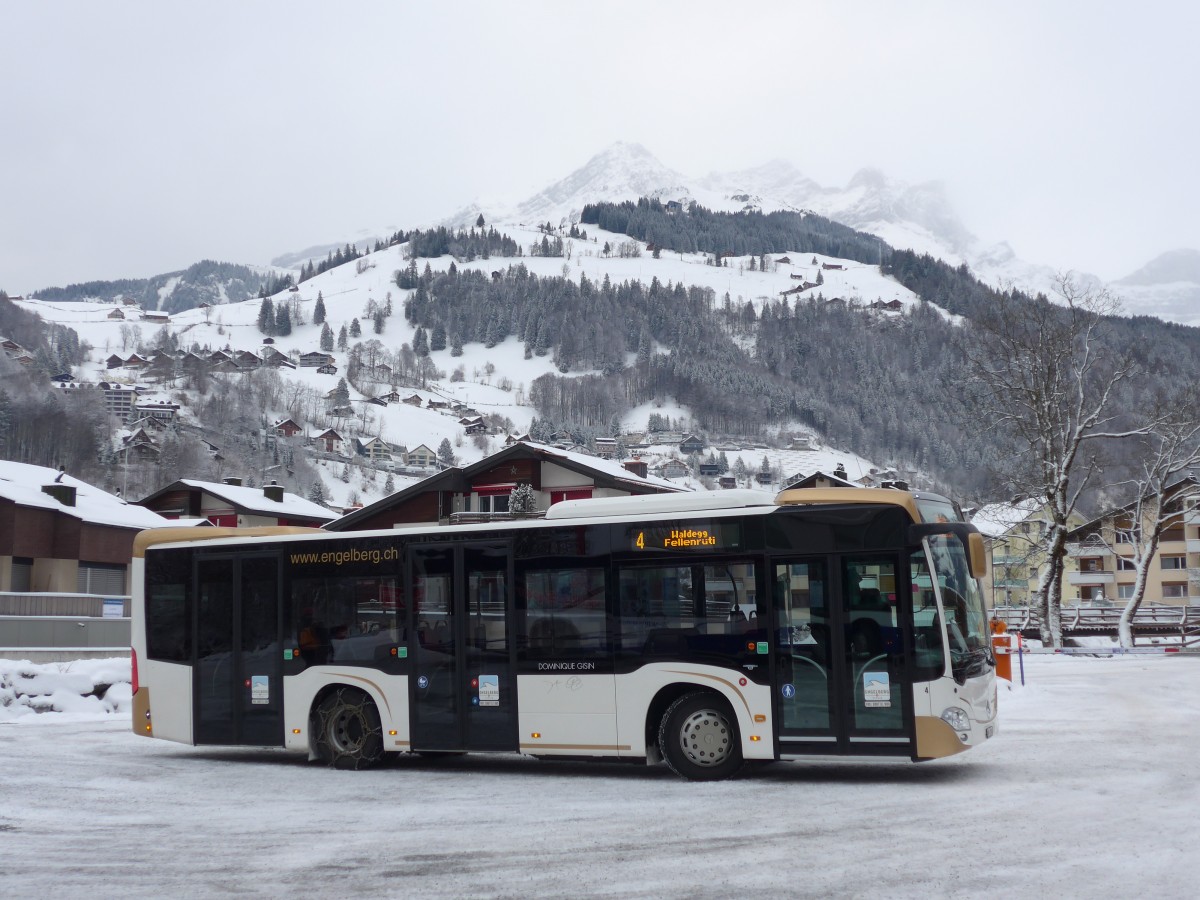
(137, 138)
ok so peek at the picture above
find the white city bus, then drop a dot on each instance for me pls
(701, 629)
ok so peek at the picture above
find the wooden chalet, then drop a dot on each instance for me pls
(314, 358)
(482, 489)
(286, 428)
(329, 441)
(230, 504)
(820, 480)
(421, 457)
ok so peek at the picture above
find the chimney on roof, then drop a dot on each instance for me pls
(637, 467)
(273, 491)
(233, 482)
(840, 472)
(63, 493)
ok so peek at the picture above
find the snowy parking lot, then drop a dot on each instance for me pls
(1090, 789)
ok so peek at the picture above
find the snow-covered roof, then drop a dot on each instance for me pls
(611, 468)
(997, 519)
(254, 500)
(22, 484)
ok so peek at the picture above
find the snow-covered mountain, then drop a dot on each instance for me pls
(1167, 287)
(622, 172)
(910, 216)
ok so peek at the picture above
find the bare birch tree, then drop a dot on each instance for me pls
(1045, 377)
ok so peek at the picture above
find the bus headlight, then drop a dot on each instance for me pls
(956, 718)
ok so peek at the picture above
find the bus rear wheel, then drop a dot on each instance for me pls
(699, 739)
(348, 732)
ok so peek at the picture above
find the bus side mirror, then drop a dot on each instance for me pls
(976, 555)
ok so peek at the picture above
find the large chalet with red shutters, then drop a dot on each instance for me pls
(480, 491)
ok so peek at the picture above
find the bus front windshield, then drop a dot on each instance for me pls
(962, 601)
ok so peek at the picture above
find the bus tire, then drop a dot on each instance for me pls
(348, 732)
(699, 738)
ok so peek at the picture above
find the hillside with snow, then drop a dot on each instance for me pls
(491, 381)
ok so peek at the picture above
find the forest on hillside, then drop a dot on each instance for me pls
(203, 282)
(892, 387)
(753, 233)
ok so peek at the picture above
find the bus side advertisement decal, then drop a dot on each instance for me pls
(343, 557)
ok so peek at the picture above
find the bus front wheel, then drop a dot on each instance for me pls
(699, 739)
(348, 731)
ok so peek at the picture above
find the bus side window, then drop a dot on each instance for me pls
(700, 612)
(564, 613)
(348, 621)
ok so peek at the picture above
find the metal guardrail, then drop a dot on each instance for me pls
(1159, 621)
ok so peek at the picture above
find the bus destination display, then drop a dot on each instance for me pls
(691, 536)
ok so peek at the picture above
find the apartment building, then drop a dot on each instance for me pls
(1014, 535)
(1102, 551)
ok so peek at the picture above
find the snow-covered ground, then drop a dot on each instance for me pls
(1089, 790)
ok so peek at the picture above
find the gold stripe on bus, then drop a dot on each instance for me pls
(152, 536)
(733, 687)
(575, 747)
(382, 692)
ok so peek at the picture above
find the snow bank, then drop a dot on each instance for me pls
(88, 688)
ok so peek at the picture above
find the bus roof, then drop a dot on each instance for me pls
(649, 504)
(152, 536)
(831, 496)
(597, 508)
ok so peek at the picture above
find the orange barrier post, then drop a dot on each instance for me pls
(1002, 649)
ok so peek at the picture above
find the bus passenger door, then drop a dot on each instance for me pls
(877, 704)
(838, 657)
(463, 687)
(807, 669)
(238, 673)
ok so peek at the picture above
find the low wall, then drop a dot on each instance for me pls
(63, 637)
(34, 604)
